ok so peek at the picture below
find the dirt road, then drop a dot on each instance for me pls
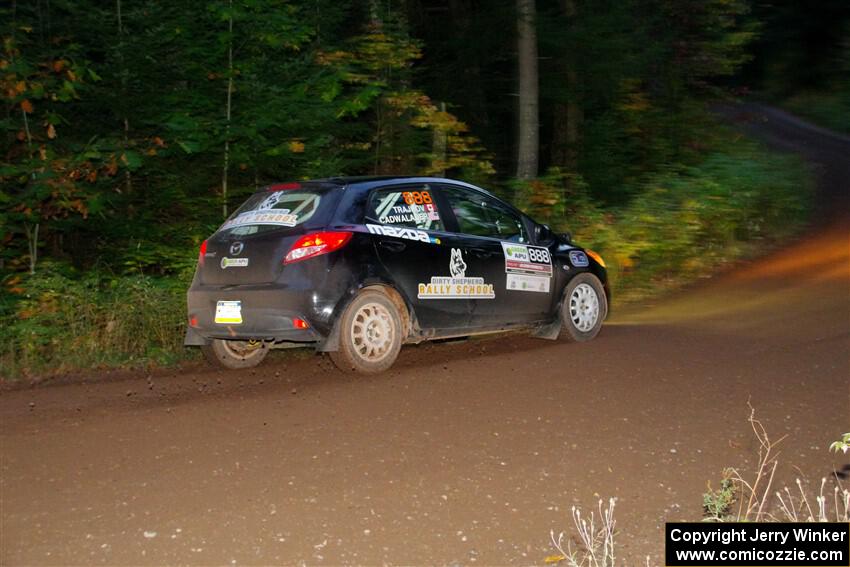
(463, 453)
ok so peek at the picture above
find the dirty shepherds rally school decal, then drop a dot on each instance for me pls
(458, 286)
(528, 268)
(282, 218)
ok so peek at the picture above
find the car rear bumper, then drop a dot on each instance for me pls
(268, 312)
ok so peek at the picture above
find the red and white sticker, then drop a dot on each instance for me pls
(528, 268)
(524, 259)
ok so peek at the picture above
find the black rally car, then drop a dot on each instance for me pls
(358, 266)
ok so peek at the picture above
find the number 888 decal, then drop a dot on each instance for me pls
(539, 255)
(417, 197)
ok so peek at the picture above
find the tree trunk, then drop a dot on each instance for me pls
(32, 244)
(528, 135)
(462, 14)
(128, 178)
(226, 166)
(575, 115)
(559, 149)
(567, 116)
(440, 147)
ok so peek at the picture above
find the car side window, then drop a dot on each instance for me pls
(411, 207)
(480, 215)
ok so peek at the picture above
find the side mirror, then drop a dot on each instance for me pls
(544, 233)
(566, 236)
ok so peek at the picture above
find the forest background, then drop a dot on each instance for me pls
(132, 128)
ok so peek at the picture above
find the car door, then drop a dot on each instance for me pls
(418, 254)
(494, 237)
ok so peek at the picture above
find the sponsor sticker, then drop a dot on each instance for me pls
(458, 286)
(528, 268)
(431, 211)
(278, 218)
(578, 259)
(272, 200)
(233, 263)
(406, 233)
(228, 312)
(522, 282)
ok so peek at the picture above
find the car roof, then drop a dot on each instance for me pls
(374, 181)
(367, 182)
(370, 181)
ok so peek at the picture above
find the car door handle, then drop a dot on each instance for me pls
(392, 245)
(481, 252)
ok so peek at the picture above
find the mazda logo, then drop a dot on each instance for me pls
(236, 248)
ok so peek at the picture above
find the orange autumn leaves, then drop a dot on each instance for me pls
(23, 90)
(22, 86)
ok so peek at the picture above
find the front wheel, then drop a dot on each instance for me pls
(369, 334)
(583, 309)
(235, 355)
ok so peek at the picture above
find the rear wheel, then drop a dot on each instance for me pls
(369, 334)
(583, 309)
(234, 355)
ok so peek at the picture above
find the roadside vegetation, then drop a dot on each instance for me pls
(61, 320)
(684, 222)
(742, 496)
(802, 61)
(681, 224)
(826, 104)
(754, 497)
(830, 109)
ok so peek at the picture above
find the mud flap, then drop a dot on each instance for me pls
(331, 342)
(193, 338)
(551, 331)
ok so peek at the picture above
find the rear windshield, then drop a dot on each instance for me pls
(273, 210)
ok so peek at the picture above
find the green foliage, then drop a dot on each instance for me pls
(114, 141)
(717, 504)
(683, 222)
(806, 69)
(829, 103)
(407, 124)
(842, 444)
(42, 178)
(635, 74)
(61, 321)
(828, 109)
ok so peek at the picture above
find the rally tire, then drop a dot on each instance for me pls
(235, 355)
(370, 334)
(583, 308)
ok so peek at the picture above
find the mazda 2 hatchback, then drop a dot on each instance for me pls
(356, 267)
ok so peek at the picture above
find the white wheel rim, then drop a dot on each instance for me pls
(243, 349)
(372, 332)
(584, 307)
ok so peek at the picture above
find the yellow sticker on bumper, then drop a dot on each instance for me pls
(228, 312)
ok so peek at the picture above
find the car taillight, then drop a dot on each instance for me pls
(202, 253)
(316, 244)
